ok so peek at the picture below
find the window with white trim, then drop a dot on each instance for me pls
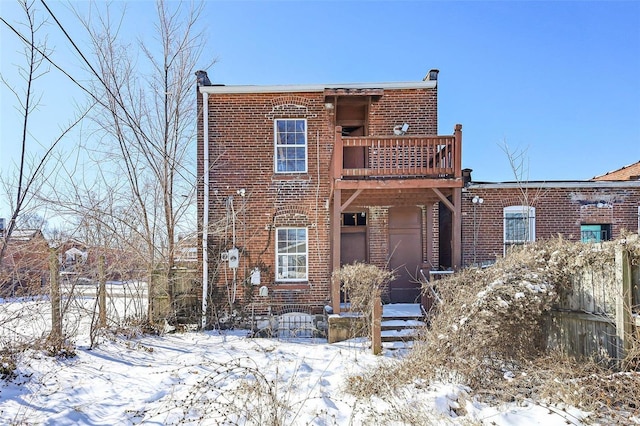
(290, 145)
(519, 225)
(291, 254)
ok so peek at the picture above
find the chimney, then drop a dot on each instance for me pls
(466, 176)
(432, 75)
(203, 78)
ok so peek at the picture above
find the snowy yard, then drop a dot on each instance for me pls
(227, 378)
(213, 378)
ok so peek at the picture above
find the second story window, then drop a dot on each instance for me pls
(290, 145)
(519, 225)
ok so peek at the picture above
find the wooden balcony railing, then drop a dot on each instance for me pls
(436, 157)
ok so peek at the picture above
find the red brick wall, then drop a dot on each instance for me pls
(241, 147)
(418, 108)
(558, 211)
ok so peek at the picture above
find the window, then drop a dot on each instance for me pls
(354, 219)
(595, 233)
(291, 256)
(290, 145)
(519, 225)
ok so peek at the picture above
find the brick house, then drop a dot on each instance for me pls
(496, 216)
(304, 178)
(25, 266)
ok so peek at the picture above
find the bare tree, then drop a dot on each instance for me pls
(145, 178)
(519, 164)
(23, 188)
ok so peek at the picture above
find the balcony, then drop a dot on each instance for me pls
(418, 161)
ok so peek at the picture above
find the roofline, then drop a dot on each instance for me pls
(616, 170)
(286, 88)
(555, 184)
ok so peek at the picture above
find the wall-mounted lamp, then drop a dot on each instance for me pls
(400, 129)
(328, 105)
(477, 200)
(241, 192)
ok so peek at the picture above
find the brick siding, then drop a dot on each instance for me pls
(558, 211)
(241, 149)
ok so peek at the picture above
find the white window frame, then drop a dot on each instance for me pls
(638, 220)
(526, 211)
(283, 257)
(279, 147)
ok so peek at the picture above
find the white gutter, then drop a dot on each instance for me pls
(205, 210)
(428, 84)
(556, 184)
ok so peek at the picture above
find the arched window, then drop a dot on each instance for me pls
(519, 225)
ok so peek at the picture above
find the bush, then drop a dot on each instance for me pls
(362, 282)
(487, 334)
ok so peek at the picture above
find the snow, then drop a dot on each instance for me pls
(214, 377)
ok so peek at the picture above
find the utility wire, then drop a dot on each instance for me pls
(130, 119)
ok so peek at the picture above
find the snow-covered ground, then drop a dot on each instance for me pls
(216, 377)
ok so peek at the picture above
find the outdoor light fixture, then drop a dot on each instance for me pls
(328, 105)
(477, 200)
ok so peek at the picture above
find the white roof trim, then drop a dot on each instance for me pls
(430, 84)
(557, 184)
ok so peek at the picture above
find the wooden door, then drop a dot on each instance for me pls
(353, 241)
(405, 251)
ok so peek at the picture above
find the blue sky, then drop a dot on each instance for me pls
(559, 79)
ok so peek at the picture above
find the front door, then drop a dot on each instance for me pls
(405, 251)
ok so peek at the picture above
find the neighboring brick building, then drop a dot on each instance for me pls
(303, 178)
(498, 215)
(25, 266)
(630, 172)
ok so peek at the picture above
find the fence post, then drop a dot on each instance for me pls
(56, 315)
(376, 322)
(102, 293)
(623, 302)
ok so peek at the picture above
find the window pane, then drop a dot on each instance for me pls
(291, 139)
(300, 126)
(291, 126)
(515, 227)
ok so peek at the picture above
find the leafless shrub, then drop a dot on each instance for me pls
(488, 335)
(238, 392)
(362, 282)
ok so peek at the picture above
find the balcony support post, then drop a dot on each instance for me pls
(337, 154)
(335, 249)
(457, 151)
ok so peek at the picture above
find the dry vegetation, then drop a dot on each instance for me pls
(488, 335)
(362, 282)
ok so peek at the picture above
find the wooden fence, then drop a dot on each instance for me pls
(177, 298)
(600, 316)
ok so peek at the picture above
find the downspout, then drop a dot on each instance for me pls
(205, 209)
